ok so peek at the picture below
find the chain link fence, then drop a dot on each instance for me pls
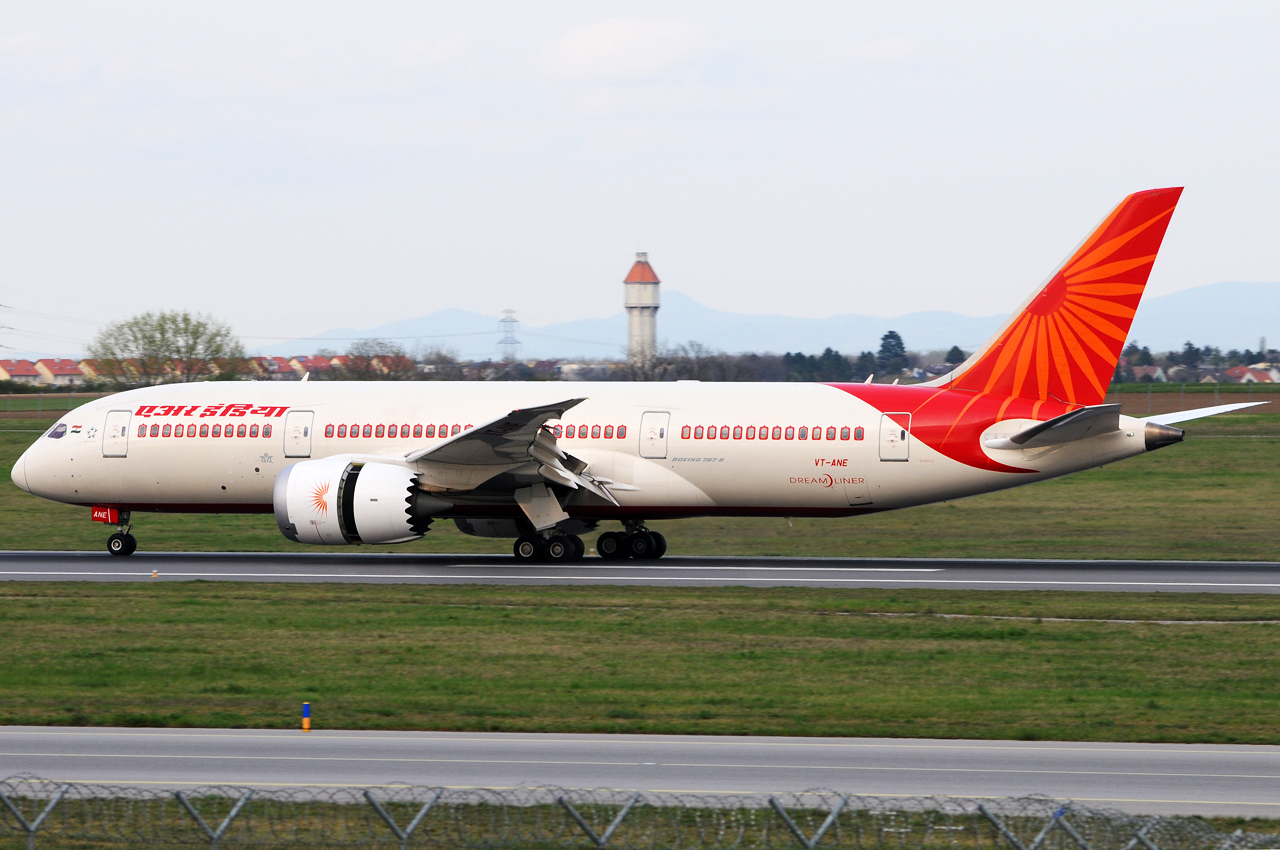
(39, 813)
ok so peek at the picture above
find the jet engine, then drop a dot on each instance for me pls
(338, 501)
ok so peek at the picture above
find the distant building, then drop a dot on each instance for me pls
(275, 369)
(19, 371)
(642, 304)
(1253, 375)
(1149, 373)
(314, 363)
(60, 372)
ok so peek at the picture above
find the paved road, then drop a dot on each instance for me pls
(1151, 778)
(379, 568)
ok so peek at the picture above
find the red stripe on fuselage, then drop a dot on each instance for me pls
(951, 422)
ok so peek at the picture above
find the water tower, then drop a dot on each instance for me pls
(642, 310)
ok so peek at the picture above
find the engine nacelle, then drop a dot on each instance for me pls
(337, 500)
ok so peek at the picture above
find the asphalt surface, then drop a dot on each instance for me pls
(1144, 778)
(388, 568)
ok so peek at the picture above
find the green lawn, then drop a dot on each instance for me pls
(1215, 496)
(778, 661)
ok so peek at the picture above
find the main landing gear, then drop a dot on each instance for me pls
(558, 548)
(122, 542)
(636, 542)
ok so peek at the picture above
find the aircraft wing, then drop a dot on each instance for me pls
(1067, 428)
(519, 437)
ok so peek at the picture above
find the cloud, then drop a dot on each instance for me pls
(620, 50)
(890, 51)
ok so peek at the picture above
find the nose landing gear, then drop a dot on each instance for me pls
(122, 542)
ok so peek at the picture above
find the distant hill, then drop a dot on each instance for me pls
(1230, 315)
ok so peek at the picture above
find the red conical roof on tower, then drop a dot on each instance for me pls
(642, 272)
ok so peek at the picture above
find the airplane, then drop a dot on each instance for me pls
(344, 463)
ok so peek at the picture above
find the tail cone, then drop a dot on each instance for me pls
(1159, 436)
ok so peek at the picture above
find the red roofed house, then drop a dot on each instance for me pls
(1253, 375)
(302, 364)
(60, 372)
(19, 371)
(275, 368)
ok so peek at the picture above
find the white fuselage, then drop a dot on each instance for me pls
(677, 473)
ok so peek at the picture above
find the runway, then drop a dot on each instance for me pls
(1143, 778)
(388, 568)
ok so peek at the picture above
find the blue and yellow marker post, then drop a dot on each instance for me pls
(306, 717)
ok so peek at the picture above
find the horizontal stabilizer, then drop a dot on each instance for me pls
(1067, 428)
(1199, 413)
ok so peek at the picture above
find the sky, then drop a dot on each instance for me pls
(290, 168)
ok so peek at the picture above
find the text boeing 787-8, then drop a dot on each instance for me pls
(346, 463)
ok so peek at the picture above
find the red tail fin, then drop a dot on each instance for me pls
(1065, 341)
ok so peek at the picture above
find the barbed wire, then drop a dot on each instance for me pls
(35, 812)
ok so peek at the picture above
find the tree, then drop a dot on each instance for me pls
(955, 356)
(376, 359)
(1191, 356)
(152, 348)
(892, 358)
(865, 365)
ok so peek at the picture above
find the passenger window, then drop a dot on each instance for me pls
(557, 431)
(858, 433)
(831, 433)
(142, 430)
(817, 432)
(368, 431)
(608, 432)
(417, 431)
(355, 430)
(241, 430)
(155, 430)
(228, 431)
(204, 430)
(217, 430)
(622, 431)
(711, 432)
(804, 433)
(737, 432)
(751, 432)
(266, 430)
(165, 431)
(686, 432)
(570, 431)
(391, 430)
(595, 432)
(404, 430)
(328, 431)
(342, 430)
(178, 430)
(724, 432)
(777, 432)
(844, 433)
(379, 431)
(764, 432)
(456, 429)
(444, 430)
(697, 433)
(253, 431)
(791, 432)
(431, 430)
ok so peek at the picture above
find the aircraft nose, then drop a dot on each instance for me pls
(19, 473)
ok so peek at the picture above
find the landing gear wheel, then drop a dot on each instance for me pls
(529, 549)
(659, 545)
(579, 548)
(641, 545)
(612, 546)
(121, 544)
(559, 549)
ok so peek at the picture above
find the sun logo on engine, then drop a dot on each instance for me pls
(319, 498)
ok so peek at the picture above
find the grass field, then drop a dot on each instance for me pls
(718, 661)
(1215, 496)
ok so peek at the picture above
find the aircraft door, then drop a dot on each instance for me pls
(654, 425)
(297, 433)
(895, 439)
(115, 436)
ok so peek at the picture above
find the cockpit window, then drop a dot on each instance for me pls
(58, 431)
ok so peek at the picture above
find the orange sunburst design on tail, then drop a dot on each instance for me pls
(319, 498)
(1065, 342)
